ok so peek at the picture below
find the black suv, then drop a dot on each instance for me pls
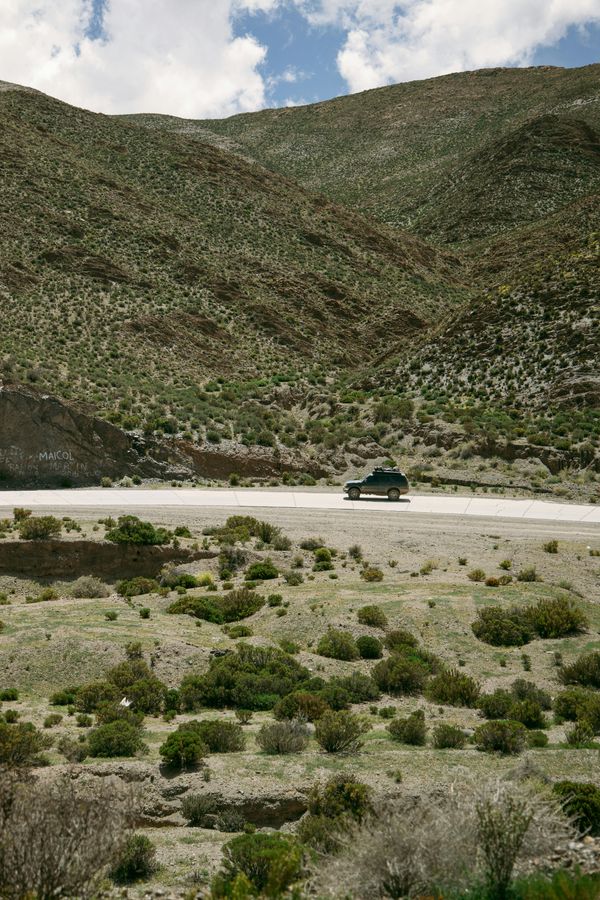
(388, 483)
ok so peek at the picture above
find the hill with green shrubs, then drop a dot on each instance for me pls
(414, 265)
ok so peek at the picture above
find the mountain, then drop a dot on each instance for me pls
(137, 268)
(379, 275)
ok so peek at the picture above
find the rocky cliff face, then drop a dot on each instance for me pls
(45, 442)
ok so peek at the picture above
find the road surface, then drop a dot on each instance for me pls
(160, 499)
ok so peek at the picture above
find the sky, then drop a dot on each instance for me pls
(214, 58)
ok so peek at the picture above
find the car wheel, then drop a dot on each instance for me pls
(354, 493)
(393, 494)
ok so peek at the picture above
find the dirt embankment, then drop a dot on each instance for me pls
(69, 559)
(45, 442)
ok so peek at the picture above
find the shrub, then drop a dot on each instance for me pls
(372, 616)
(371, 573)
(581, 801)
(335, 695)
(136, 587)
(340, 732)
(293, 578)
(502, 627)
(556, 617)
(569, 704)
(369, 647)
(131, 530)
(118, 738)
(66, 697)
(496, 705)
(9, 694)
(477, 575)
(89, 696)
(22, 744)
(198, 809)
(360, 688)
(218, 736)
(145, 612)
(288, 736)
(399, 640)
(341, 795)
(338, 645)
(528, 575)
(584, 671)
(111, 615)
(448, 737)
(453, 688)
(89, 586)
(537, 739)
(73, 751)
(262, 864)
(250, 678)
(39, 528)
(58, 838)
(136, 861)
(410, 730)
(243, 716)
(581, 735)
(355, 552)
(528, 712)
(551, 547)
(400, 675)
(312, 543)
(501, 736)
(527, 690)
(231, 607)
(53, 719)
(183, 749)
(237, 631)
(262, 571)
(322, 554)
(300, 705)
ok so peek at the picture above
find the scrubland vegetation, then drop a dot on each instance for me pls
(386, 719)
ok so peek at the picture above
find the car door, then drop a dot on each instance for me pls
(369, 485)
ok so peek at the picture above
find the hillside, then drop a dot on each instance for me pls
(390, 151)
(136, 268)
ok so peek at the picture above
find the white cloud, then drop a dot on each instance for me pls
(173, 56)
(389, 41)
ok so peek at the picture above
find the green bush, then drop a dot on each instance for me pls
(528, 712)
(410, 730)
(183, 749)
(399, 639)
(556, 617)
(217, 736)
(89, 696)
(251, 678)
(22, 744)
(338, 644)
(131, 530)
(231, 607)
(118, 738)
(235, 632)
(300, 705)
(137, 587)
(39, 528)
(399, 674)
(448, 737)
(369, 647)
(371, 574)
(293, 578)
(528, 575)
(372, 616)
(359, 688)
(569, 704)
(581, 735)
(537, 739)
(198, 809)
(340, 732)
(136, 861)
(502, 627)
(52, 719)
(9, 695)
(287, 736)
(145, 612)
(322, 554)
(66, 697)
(584, 671)
(521, 689)
(335, 695)
(258, 865)
(88, 586)
(501, 736)
(453, 688)
(341, 795)
(581, 801)
(262, 571)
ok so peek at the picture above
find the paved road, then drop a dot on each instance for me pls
(124, 499)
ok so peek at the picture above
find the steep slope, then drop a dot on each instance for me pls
(137, 267)
(387, 151)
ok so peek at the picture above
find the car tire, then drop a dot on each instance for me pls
(393, 494)
(354, 493)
